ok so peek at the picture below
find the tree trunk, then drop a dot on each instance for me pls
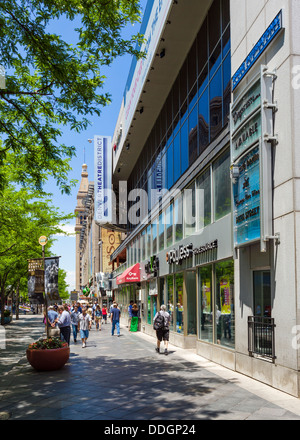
(17, 299)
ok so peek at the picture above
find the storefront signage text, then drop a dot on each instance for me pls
(185, 252)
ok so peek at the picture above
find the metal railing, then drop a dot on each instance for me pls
(261, 337)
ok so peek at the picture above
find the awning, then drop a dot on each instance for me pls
(130, 275)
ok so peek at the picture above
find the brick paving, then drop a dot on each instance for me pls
(123, 378)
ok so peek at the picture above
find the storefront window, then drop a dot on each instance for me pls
(206, 323)
(179, 303)
(148, 241)
(161, 291)
(170, 306)
(191, 289)
(161, 231)
(149, 310)
(222, 185)
(169, 225)
(224, 313)
(178, 219)
(154, 237)
(203, 184)
(189, 210)
(262, 293)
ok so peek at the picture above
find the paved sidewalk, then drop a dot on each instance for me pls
(123, 378)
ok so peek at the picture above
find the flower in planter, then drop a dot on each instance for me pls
(6, 313)
(47, 344)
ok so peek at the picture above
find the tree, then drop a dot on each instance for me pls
(24, 217)
(51, 83)
(62, 284)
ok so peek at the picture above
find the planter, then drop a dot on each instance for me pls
(7, 319)
(48, 360)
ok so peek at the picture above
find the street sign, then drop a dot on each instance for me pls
(43, 240)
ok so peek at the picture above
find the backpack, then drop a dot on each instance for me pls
(159, 322)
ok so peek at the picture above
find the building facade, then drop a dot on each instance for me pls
(205, 159)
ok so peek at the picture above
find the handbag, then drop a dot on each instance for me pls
(54, 332)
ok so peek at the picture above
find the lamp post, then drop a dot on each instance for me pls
(43, 241)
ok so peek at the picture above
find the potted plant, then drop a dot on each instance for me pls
(7, 316)
(48, 354)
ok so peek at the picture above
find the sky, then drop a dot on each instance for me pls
(104, 125)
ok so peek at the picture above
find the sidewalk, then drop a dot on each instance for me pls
(125, 379)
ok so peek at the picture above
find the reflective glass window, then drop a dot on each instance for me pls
(189, 214)
(203, 195)
(191, 290)
(169, 225)
(224, 313)
(179, 303)
(193, 135)
(170, 171)
(154, 237)
(161, 232)
(203, 121)
(215, 105)
(184, 147)
(178, 220)
(170, 296)
(222, 186)
(205, 291)
(176, 158)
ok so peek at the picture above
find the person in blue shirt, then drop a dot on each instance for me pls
(115, 319)
(52, 316)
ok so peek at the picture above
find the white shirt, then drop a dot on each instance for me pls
(84, 321)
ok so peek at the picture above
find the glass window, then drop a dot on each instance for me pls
(154, 237)
(179, 303)
(161, 232)
(184, 147)
(203, 197)
(191, 289)
(215, 105)
(189, 214)
(225, 13)
(222, 186)
(215, 59)
(202, 47)
(161, 291)
(205, 283)
(143, 244)
(214, 24)
(226, 88)
(193, 135)
(169, 225)
(176, 160)
(262, 293)
(203, 121)
(170, 294)
(149, 310)
(149, 240)
(178, 219)
(192, 69)
(170, 173)
(224, 319)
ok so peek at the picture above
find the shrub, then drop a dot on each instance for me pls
(47, 344)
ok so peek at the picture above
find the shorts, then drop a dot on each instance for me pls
(162, 334)
(84, 334)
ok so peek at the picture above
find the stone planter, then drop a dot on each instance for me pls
(48, 360)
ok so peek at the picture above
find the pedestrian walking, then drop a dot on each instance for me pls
(130, 314)
(98, 316)
(84, 326)
(90, 312)
(104, 314)
(161, 324)
(74, 322)
(64, 324)
(134, 318)
(115, 319)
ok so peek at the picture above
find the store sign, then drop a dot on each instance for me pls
(269, 35)
(246, 199)
(103, 179)
(184, 252)
(251, 127)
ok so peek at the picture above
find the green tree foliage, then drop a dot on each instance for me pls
(51, 83)
(63, 288)
(24, 217)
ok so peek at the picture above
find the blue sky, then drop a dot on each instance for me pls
(103, 125)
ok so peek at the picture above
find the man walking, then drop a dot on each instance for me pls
(115, 319)
(64, 324)
(130, 314)
(161, 324)
(74, 321)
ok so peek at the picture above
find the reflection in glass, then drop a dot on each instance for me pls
(191, 289)
(224, 319)
(262, 293)
(189, 210)
(215, 104)
(161, 231)
(179, 303)
(193, 135)
(203, 185)
(184, 147)
(169, 225)
(206, 321)
(222, 185)
(170, 307)
(203, 121)
(178, 219)
(154, 237)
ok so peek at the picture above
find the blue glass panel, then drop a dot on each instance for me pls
(226, 87)
(170, 170)
(193, 135)
(203, 121)
(176, 158)
(184, 147)
(215, 104)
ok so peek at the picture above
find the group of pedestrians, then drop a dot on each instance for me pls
(81, 318)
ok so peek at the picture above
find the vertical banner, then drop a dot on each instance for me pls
(103, 179)
(51, 278)
(36, 281)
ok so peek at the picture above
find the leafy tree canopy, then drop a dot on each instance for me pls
(51, 83)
